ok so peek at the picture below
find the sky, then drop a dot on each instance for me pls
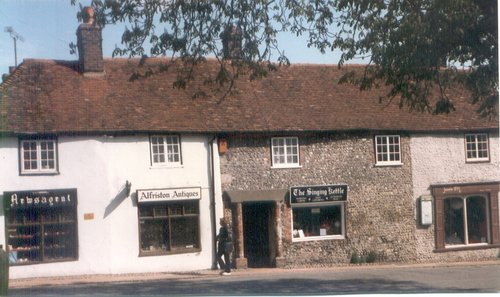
(49, 26)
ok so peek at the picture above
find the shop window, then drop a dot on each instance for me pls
(38, 156)
(318, 222)
(169, 227)
(285, 152)
(388, 150)
(466, 219)
(476, 147)
(41, 226)
(165, 150)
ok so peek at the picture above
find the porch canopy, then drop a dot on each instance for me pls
(238, 196)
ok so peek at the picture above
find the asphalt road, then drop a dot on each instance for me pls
(482, 278)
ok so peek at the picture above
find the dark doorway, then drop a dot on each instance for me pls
(256, 218)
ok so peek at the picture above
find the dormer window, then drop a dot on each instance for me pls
(38, 155)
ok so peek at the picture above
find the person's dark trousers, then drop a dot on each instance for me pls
(227, 259)
(226, 264)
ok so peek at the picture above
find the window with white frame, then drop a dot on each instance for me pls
(38, 156)
(388, 149)
(285, 151)
(321, 221)
(476, 147)
(165, 150)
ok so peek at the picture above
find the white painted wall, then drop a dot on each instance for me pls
(441, 159)
(98, 168)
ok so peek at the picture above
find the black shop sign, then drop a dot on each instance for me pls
(38, 199)
(315, 194)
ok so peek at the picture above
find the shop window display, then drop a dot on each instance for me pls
(169, 227)
(41, 226)
(312, 222)
(466, 220)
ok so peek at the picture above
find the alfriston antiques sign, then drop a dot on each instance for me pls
(314, 194)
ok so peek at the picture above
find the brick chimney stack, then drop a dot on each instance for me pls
(89, 39)
(232, 42)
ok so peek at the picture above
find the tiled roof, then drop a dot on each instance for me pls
(47, 96)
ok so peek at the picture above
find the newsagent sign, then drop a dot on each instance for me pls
(154, 195)
(314, 194)
(42, 198)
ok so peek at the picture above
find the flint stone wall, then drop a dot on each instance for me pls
(379, 212)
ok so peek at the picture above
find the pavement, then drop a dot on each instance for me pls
(199, 274)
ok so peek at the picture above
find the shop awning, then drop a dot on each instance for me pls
(256, 195)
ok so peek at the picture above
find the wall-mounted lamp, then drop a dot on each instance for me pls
(128, 186)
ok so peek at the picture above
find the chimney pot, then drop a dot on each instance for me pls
(232, 42)
(88, 15)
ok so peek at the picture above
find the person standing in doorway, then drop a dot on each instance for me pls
(224, 246)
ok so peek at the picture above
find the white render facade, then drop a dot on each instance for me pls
(439, 160)
(100, 168)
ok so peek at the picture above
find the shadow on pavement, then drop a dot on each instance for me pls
(228, 286)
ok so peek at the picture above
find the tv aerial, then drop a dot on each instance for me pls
(15, 36)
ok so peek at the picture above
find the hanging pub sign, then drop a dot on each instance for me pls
(314, 194)
(154, 195)
(42, 198)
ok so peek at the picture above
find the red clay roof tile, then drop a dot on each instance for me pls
(47, 96)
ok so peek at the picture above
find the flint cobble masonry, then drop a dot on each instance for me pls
(379, 213)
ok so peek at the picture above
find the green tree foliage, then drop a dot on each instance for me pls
(406, 43)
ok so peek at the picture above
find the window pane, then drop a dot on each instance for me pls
(146, 211)
(157, 149)
(175, 209)
(185, 232)
(160, 211)
(317, 221)
(476, 220)
(454, 221)
(154, 235)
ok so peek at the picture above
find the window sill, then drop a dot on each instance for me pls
(318, 238)
(389, 164)
(478, 246)
(166, 253)
(285, 166)
(475, 161)
(175, 166)
(39, 173)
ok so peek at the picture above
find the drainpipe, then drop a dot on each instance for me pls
(212, 201)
